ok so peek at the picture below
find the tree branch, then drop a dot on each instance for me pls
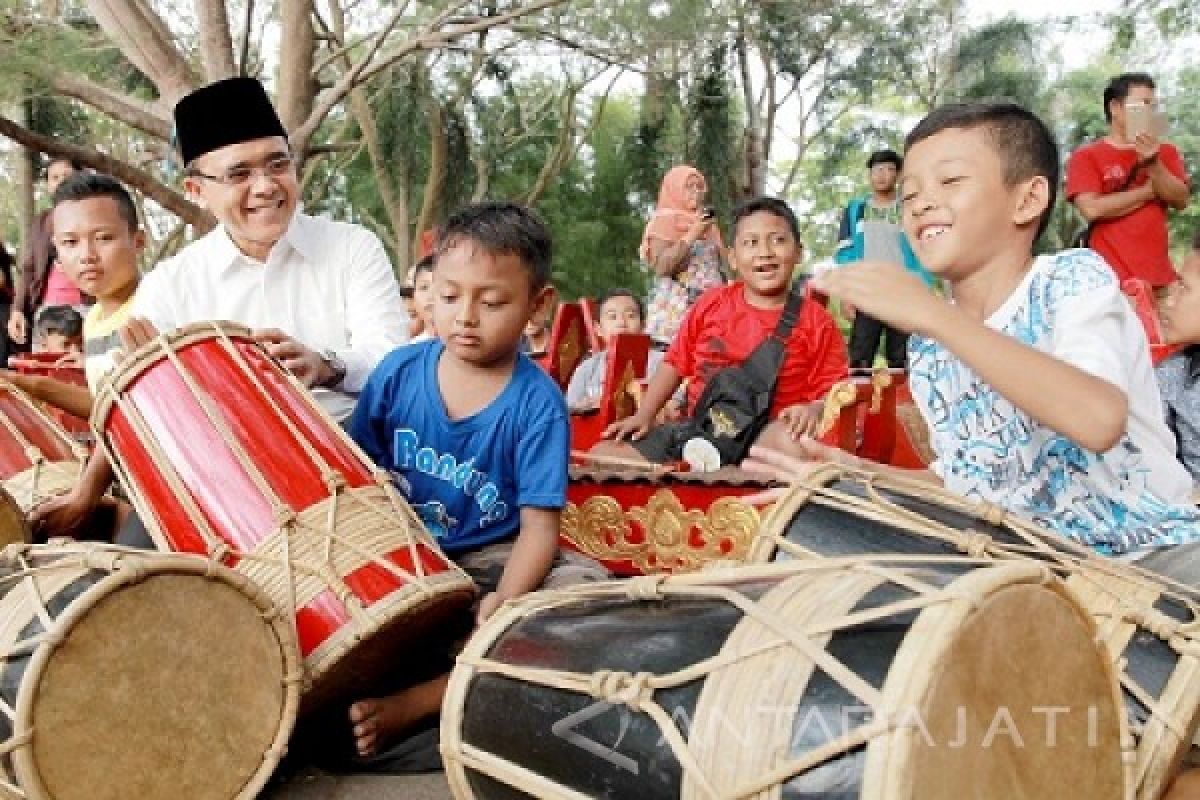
(369, 66)
(143, 38)
(138, 179)
(145, 117)
(216, 41)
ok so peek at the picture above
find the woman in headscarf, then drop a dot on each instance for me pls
(682, 244)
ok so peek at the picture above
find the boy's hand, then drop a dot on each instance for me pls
(887, 292)
(802, 419)
(487, 606)
(790, 469)
(136, 333)
(633, 427)
(71, 359)
(63, 515)
(17, 326)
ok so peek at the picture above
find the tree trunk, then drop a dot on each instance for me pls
(143, 38)
(435, 181)
(216, 42)
(297, 87)
(136, 178)
(26, 179)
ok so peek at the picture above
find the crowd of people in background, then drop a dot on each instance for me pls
(1033, 373)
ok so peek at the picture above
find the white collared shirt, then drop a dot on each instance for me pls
(327, 284)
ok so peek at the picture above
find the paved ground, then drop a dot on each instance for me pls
(315, 785)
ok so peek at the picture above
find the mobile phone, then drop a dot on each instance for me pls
(1138, 120)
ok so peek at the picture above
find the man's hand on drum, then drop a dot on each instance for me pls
(135, 333)
(307, 365)
(633, 427)
(66, 515)
(790, 469)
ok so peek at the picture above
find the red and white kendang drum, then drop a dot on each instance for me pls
(224, 453)
(38, 460)
(135, 674)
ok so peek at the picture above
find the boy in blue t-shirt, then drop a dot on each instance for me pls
(475, 434)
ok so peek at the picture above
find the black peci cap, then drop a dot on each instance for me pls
(227, 112)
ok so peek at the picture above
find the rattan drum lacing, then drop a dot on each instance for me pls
(307, 551)
(1110, 589)
(776, 635)
(44, 478)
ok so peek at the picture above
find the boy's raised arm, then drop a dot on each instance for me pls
(1087, 409)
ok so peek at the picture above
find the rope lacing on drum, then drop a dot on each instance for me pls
(991, 513)
(1156, 622)
(974, 543)
(334, 481)
(645, 587)
(623, 688)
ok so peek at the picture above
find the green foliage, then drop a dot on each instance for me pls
(712, 131)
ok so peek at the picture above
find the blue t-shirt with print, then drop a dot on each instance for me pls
(467, 478)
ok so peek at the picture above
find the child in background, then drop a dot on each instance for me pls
(422, 299)
(725, 326)
(476, 434)
(1035, 376)
(1177, 374)
(59, 329)
(536, 340)
(619, 311)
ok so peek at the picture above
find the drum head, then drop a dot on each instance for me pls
(1017, 704)
(171, 687)
(14, 525)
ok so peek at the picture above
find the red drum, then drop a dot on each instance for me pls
(47, 364)
(224, 453)
(38, 460)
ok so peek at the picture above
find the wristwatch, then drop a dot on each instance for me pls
(337, 369)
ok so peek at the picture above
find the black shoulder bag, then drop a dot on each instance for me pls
(736, 403)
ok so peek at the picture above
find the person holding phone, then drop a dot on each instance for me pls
(682, 246)
(1124, 184)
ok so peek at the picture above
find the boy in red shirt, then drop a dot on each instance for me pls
(723, 329)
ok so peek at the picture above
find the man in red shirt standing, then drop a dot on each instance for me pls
(1122, 184)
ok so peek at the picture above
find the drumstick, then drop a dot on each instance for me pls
(617, 461)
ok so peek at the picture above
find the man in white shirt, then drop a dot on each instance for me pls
(320, 295)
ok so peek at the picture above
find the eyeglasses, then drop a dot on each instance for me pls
(236, 176)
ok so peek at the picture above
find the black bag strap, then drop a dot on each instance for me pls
(1085, 239)
(766, 360)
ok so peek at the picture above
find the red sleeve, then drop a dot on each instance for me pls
(1174, 162)
(1083, 173)
(830, 363)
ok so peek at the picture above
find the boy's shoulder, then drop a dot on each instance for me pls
(538, 393)
(406, 357)
(1074, 271)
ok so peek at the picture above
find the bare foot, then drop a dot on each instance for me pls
(378, 720)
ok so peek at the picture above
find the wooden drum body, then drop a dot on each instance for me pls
(1148, 624)
(224, 453)
(130, 674)
(815, 679)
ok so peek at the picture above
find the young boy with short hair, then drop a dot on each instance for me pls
(725, 326)
(1035, 378)
(98, 240)
(422, 299)
(1178, 374)
(476, 434)
(619, 311)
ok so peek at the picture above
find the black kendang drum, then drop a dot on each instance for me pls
(1148, 623)
(812, 679)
